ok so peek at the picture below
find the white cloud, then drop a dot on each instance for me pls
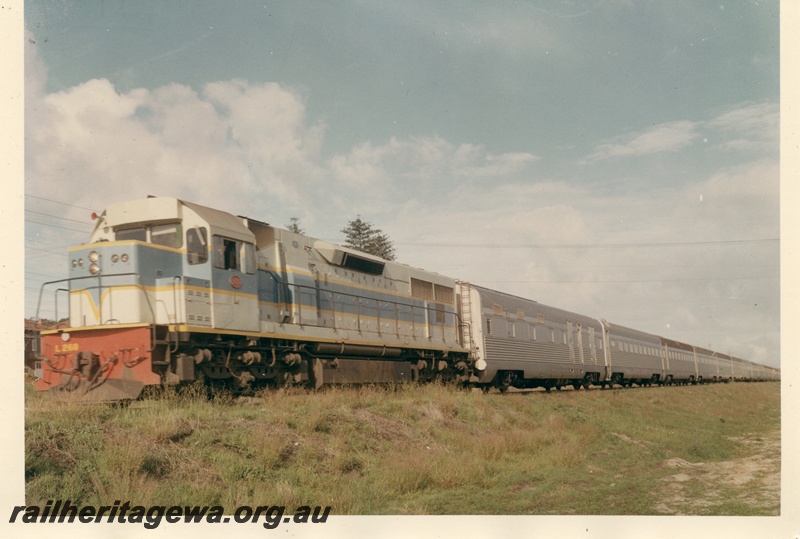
(666, 137)
(409, 167)
(752, 127)
(172, 140)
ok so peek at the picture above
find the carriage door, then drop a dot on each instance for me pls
(571, 342)
(592, 346)
(234, 287)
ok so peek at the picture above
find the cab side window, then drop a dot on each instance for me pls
(249, 258)
(226, 255)
(197, 245)
(233, 255)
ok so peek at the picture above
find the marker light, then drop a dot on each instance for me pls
(115, 258)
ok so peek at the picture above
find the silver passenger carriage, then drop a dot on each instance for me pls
(526, 344)
(634, 357)
(679, 362)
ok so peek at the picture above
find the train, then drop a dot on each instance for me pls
(167, 292)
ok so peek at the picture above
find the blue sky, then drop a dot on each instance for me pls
(615, 158)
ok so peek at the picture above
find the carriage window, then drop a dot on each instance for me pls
(167, 235)
(139, 234)
(197, 245)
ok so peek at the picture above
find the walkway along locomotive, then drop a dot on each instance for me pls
(168, 292)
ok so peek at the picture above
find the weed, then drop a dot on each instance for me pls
(409, 449)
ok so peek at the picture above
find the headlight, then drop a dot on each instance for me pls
(115, 258)
(94, 256)
(94, 269)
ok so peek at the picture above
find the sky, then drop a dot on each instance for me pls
(615, 158)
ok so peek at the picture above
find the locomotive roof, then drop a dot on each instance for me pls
(166, 209)
(222, 222)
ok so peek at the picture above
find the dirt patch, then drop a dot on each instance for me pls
(749, 485)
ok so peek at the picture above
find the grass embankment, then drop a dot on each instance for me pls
(414, 450)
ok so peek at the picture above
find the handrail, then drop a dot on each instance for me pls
(98, 286)
(298, 288)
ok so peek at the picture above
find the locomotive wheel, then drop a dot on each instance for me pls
(315, 373)
(504, 381)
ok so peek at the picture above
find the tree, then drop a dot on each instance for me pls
(294, 226)
(363, 236)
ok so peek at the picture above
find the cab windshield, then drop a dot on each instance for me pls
(168, 235)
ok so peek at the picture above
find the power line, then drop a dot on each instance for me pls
(54, 226)
(57, 217)
(59, 202)
(590, 245)
(625, 281)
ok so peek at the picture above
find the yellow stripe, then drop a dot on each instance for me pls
(125, 242)
(93, 328)
(294, 337)
(150, 289)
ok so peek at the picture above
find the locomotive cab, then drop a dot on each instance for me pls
(151, 266)
(164, 261)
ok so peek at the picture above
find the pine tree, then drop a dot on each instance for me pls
(363, 236)
(294, 226)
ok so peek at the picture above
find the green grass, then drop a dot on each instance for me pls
(402, 450)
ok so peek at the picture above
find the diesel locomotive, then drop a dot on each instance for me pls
(168, 292)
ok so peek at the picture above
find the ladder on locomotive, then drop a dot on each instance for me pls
(466, 317)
